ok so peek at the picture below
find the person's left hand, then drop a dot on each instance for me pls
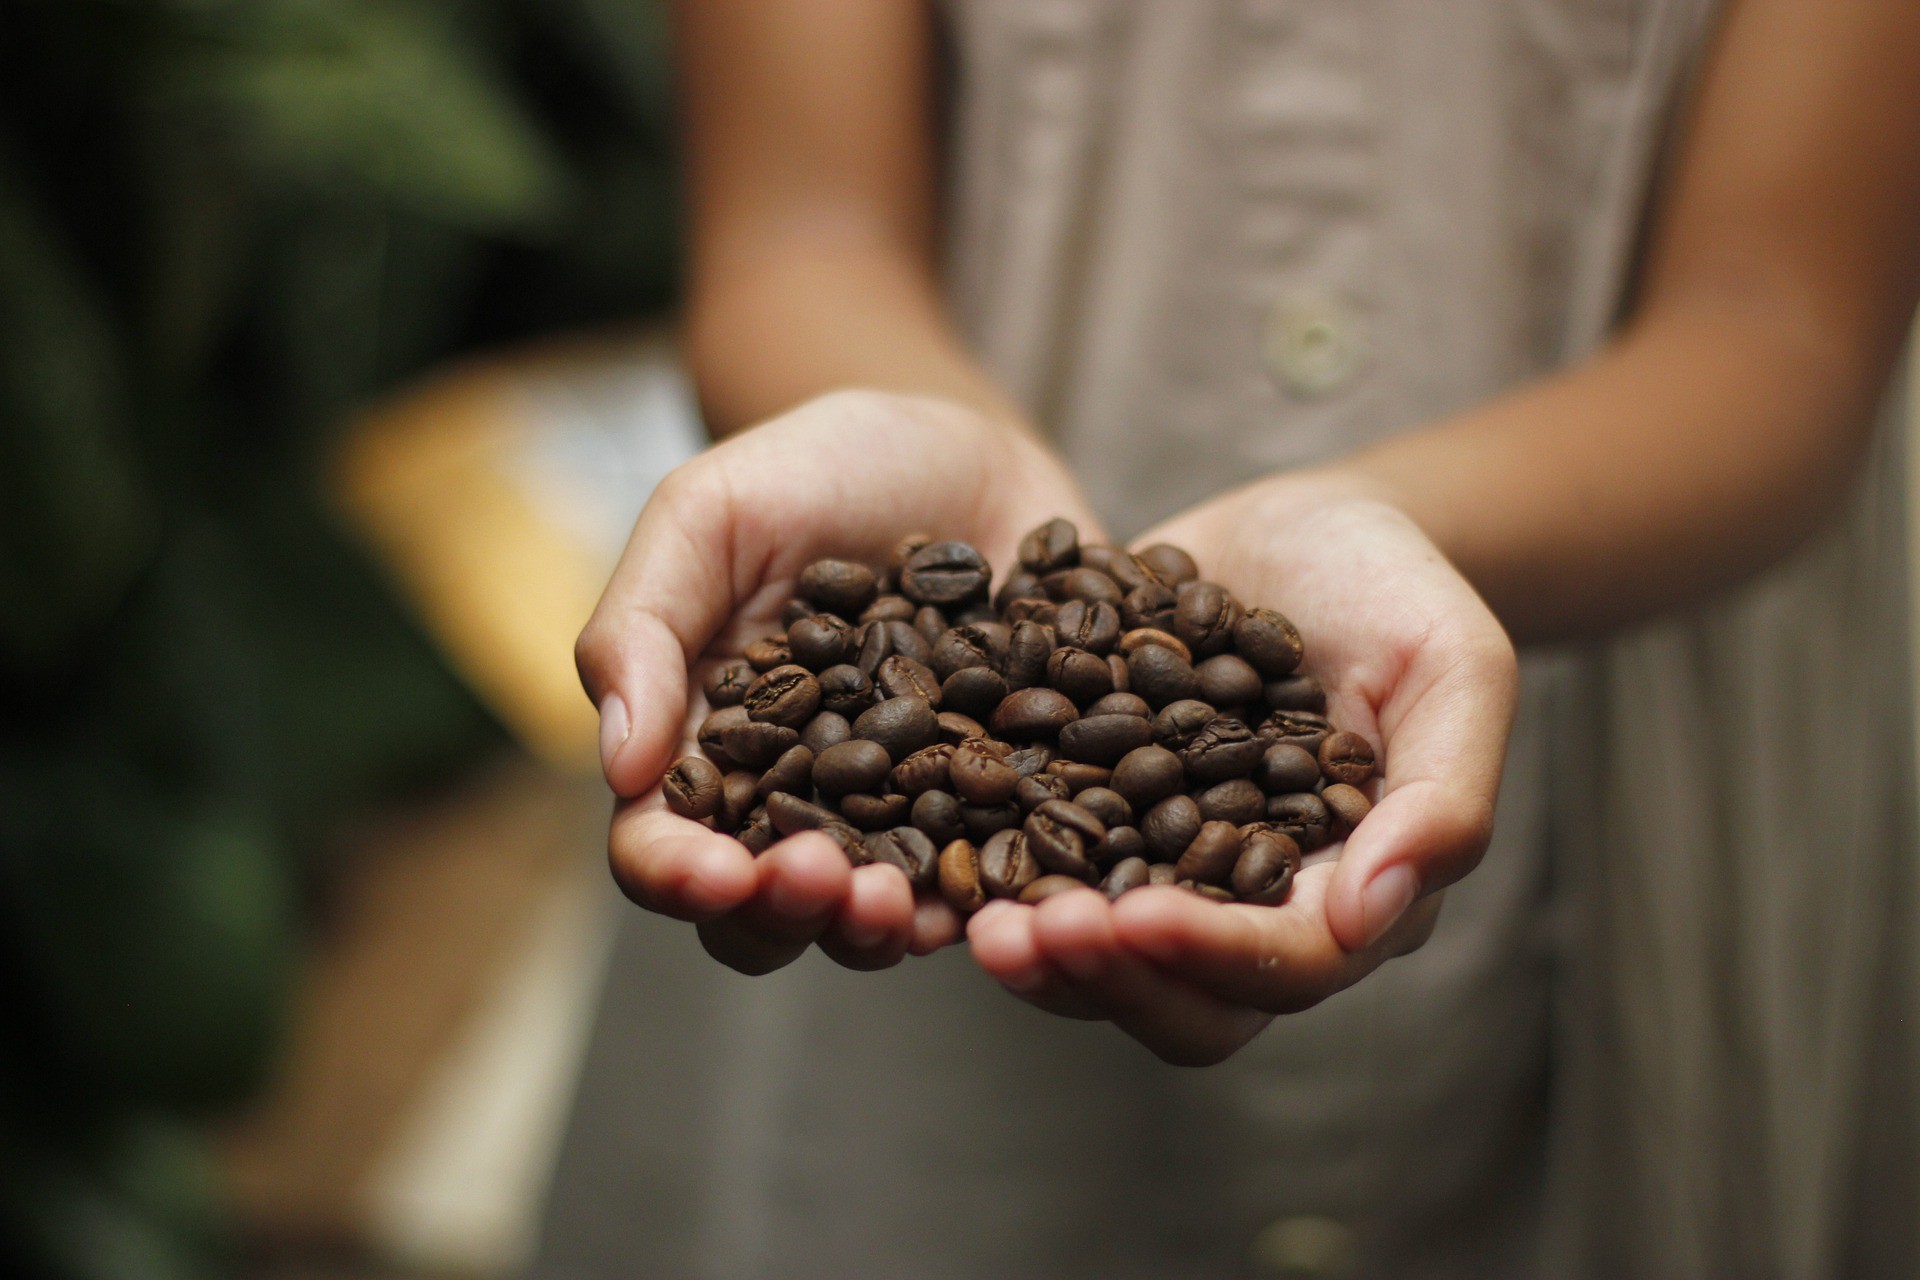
(1413, 660)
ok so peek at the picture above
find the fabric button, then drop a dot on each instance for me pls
(1314, 345)
(1307, 1246)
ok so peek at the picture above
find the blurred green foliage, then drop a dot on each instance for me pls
(224, 224)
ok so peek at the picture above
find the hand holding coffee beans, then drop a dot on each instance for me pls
(1103, 719)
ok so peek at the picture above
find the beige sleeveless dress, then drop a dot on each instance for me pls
(1667, 1029)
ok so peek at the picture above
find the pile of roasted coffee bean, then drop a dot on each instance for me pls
(1104, 718)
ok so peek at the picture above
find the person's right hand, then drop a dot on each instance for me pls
(713, 557)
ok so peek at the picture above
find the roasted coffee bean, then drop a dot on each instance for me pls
(981, 821)
(1117, 845)
(1149, 606)
(1136, 638)
(1128, 873)
(1018, 586)
(1295, 693)
(903, 551)
(901, 725)
(790, 814)
(757, 833)
(1210, 855)
(693, 788)
(1121, 704)
(1053, 546)
(979, 778)
(978, 614)
(1237, 801)
(1030, 760)
(1223, 749)
(826, 729)
(1304, 729)
(1147, 775)
(1078, 776)
(726, 684)
(1162, 873)
(1107, 805)
(888, 609)
(1160, 675)
(1170, 563)
(1170, 826)
(1303, 817)
(844, 587)
(1087, 586)
(852, 842)
(820, 641)
(924, 770)
(1059, 834)
(960, 876)
(1204, 618)
(1031, 793)
(1104, 740)
(1122, 678)
(1346, 806)
(794, 610)
(1129, 572)
(956, 728)
(944, 573)
(1211, 892)
(845, 689)
(739, 797)
(758, 743)
(1028, 648)
(1047, 886)
(1226, 680)
(900, 677)
(767, 653)
(792, 773)
(713, 732)
(938, 814)
(1032, 713)
(874, 813)
(931, 624)
(958, 648)
(786, 695)
(1264, 874)
(1006, 864)
(1268, 641)
(1032, 608)
(974, 691)
(1284, 767)
(1081, 676)
(908, 849)
(878, 641)
(1093, 625)
(1347, 758)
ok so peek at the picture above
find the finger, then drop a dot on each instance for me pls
(1445, 726)
(875, 922)
(1181, 1023)
(801, 883)
(678, 868)
(1000, 935)
(935, 925)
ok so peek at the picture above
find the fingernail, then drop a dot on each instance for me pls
(1384, 900)
(615, 728)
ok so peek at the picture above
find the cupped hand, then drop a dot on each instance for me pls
(1412, 659)
(711, 560)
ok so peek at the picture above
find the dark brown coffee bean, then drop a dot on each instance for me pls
(1130, 573)
(1179, 723)
(1160, 675)
(1204, 618)
(903, 551)
(924, 770)
(1128, 873)
(943, 573)
(1028, 649)
(931, 624)
(826, 729)
(874, 813)
(1082, 676)
(1006, 865)
(1295, 693)
(979, 778)
(1304, 729)
(1148, 607)
(1053, 546)
(1237, 801)
(693, 788)
(908, 849)
(1104, 740)
(757, 833)
(1136, 638)
(977, 614)
(960, 877)
(1090, 625)
(852, 842)
(790, 814)
(975, 691)
(794, 610)
(1302, 817)
(739, 797)
(820, 641)
(1264, 874)
(1210, 855)
(1268, 641)
(1085, 585)
(1147, 775)
(1032, 713)
(1107, 805)
(1078, 776)
(1121, 704)
(1172, 565)
(1162, 873)
(1020, 585)
(900, 677)
(792, 773)
(1030, 608)
(1059, 834)
(1284, 768)
(1211, 892)
(1122, 678)
(713, 731)
(1031, 793)
(956, 728)
(767, 653)
(1346, 758)
(958, 648)
(1226, 680)
(1047, 886)
(846, 690)
(901, 725)
(1346, 806)
(1170, 826)
(844, 587)
(758, 743)
(726, 684)
(1224, 749)
(786, 695)
(1030, 760)
(879, 641)
(938, 814)
(981, 821)
(1119, 844)
(888, 609)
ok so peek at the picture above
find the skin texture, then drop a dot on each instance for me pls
(1721, 425)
